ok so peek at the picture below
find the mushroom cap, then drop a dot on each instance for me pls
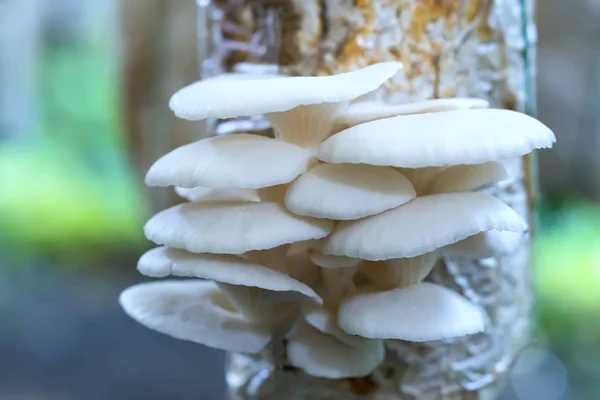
(216, 194)
(231, 227)
(163, 261)
(348, 191)
(366, 111)
(488, 244)
(193, 310)
(421, 226)
(464, 178)
(229, 98)
(240, 160)
(418, 313)
(438, 139)
(323, 355)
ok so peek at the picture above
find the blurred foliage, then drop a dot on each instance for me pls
(567, 270)
(72, 187)
(567, 279)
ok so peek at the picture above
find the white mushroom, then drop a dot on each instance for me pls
(418, 313)
(438, 139)
(366, 111)
(241, 160)
(231, 227)
(254, 289)
(487, 244)
(323, 355)
(399, 272)
(421, 226)
(194, 310)
(348, 191)
(339, 249)
(163, 261)
(464, 178)
(301, 109)
(214, 194)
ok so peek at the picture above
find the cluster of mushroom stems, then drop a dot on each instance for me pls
(322, 236)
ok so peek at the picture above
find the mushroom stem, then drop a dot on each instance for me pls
(337, 284)
(274, 194)
(273, 258)
(421, 178)
(306, 125)
(246, 299)
(400, 272)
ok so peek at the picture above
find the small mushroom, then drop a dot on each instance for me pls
(194, 310)
(301, 109)
(421, 226)
(367, 111)
(323, 355)
(464, 178)
(348, 191)
(241, 160)
(232, 227)
(253, 288)
(487, 244)
(419, 313)
(214, 194)
(438, 139)
(163, 261)
(399, 272)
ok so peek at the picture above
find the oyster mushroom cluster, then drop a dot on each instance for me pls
(322, 236)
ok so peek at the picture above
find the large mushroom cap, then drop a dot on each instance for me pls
(366, 111)
(348, 191)
(163, 261)
(196, 311)
(240, 160)
(231, 227)
(229, 98)
(419, 313)
(421, 226)
(320, 354)
(438, 139)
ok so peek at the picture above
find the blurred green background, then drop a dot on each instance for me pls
(72, 205)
